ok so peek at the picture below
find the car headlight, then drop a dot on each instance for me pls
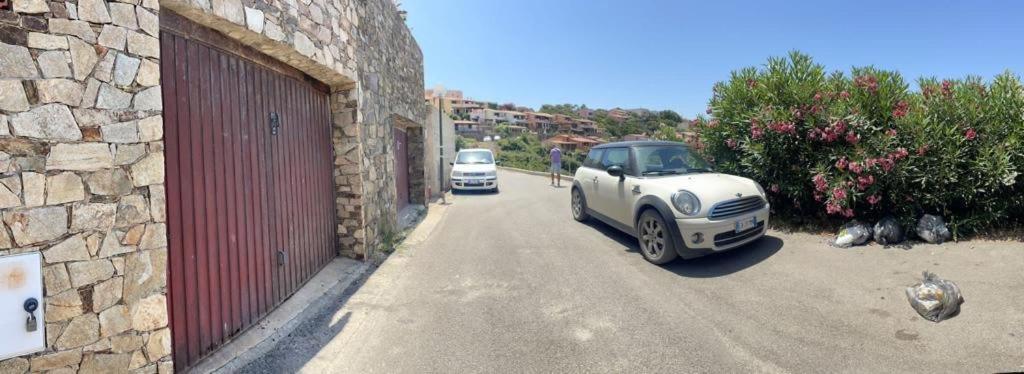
(456, 173)
(686, 202)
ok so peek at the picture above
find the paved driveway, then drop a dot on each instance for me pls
(510, 283)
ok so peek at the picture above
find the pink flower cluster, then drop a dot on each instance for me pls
(970, 134)
(886, 162)
(842, 163)
(852, 137)
(844, 95)
(820, 183)
(756, 131)
(839, 193)
(901, 109)
(867, 82)
(856, 167)
(829, 134)
(891, 132)
(835, 208)
(874, 199)
(783, 128)
(731, 143)
(947, 88)
(865, 181)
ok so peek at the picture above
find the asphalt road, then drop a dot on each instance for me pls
(510, 283)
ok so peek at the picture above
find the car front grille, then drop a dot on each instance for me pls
(736, 207)
(731, 237)
(474, 174)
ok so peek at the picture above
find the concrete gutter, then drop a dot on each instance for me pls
(531, 172)
(327, 285)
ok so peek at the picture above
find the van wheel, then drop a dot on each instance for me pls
(579, 205)
(656, 242)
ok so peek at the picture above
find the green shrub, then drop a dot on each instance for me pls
(526, 152)
(865, 145)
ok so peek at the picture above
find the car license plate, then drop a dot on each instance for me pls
(746, 224)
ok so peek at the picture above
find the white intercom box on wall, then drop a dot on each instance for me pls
(22, 326)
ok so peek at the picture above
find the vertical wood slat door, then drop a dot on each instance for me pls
(250, 208)
(401, 168)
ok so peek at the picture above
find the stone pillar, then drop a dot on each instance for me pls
(347, 176)
(82, 179)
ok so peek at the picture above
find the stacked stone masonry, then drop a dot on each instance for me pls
(82, 158)
(82, 179)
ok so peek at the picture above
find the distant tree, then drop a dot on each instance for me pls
(507, 106)
(668, 133)
(670, 116)
(502, 129)
(461, 143)
(524, 109)
(563, 109)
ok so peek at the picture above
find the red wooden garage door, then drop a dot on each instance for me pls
(401, 168)
(249, 189)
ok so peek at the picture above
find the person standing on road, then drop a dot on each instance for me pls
(556, 166)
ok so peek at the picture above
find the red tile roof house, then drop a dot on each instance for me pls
(570, 143)
(183, 166)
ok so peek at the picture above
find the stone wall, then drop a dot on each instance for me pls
(82, 179)
(390, 66)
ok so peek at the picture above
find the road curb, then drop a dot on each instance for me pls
(537, 173)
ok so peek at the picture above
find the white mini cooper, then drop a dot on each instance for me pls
(669, 199)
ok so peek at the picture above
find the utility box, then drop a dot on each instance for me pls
(21, 305)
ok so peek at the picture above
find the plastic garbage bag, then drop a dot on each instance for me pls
(853, 233)
(888, 231)
(933, 229)
(935, 299)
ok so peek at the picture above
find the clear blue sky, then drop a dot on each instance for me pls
(668, 54)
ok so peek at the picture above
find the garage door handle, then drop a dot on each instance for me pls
(275, 123)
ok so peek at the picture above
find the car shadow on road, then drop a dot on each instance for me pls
(473, 192)
(733, 261)
(710, 266)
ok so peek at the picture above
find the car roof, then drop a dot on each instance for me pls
(475, 150)
(636, 143)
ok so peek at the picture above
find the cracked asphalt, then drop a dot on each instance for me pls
(509, 283)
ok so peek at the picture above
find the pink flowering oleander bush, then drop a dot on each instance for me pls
(865, 145)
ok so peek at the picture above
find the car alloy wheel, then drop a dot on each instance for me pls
(579, 206)
(652, 235)
(577, 203)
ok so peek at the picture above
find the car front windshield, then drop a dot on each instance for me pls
(475, 157)
(669, 160)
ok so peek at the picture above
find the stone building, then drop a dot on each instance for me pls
(98, 151)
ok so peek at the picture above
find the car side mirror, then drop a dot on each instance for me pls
(451, 164)
(615, 171)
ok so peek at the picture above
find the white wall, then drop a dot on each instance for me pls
(431, 149)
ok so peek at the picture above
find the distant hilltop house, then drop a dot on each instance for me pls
(573, 143)
(478, 119)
